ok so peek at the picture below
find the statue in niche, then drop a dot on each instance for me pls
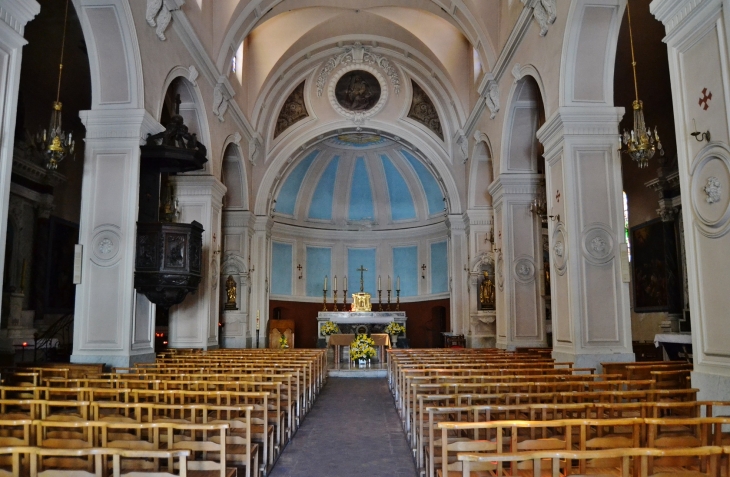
(231, 293)
(486, 293)
(357, 91)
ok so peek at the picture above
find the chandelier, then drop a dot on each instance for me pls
(538, 206)
(641, 143)
(54, 143)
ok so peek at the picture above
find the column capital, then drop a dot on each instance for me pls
(579, 122)
(514, 184)
(238, 218)
(263, 223)
(200, 184)
(119, 124)
(17, 13)
(456, 223)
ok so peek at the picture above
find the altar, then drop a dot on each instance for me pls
(356, 322)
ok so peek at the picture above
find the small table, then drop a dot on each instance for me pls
(339, 340)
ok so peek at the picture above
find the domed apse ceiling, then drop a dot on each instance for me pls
(358, 179)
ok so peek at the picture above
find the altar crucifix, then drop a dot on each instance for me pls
(361, 300)
(362, 271)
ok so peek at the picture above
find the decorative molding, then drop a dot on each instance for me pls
(358, 54)
(16, 14)
(524, 270)
(105, 245)
(193, 75)
(293, 110)
(545, 12)
(598, 244)
(713, 190)
(492, 99)
(672, 12)
(159, 15)
(423, 110)
(560, 249)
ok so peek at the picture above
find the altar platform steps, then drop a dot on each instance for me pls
(347, 370)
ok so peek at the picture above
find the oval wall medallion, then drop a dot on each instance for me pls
(598, 244)
(358, 92)
(500, 271)
(105, 247)
(524, 270)
(709, 195)
(560, 249)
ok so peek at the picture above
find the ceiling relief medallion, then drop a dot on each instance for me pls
(358, 54)
(713, 190)
(598, 244)
(105, 246)
(358, 92)
(423, 111)
(294, 110)
(560, 249)
(524, 270)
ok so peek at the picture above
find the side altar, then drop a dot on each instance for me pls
(355, 322)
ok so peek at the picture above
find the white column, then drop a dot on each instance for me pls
(15, 14)
(697, 39)
(194, 322)
(481, 323)
(259, 275)
(520, 312)
(458, 277)
(113, 324)
(236, 242)
(590, 294)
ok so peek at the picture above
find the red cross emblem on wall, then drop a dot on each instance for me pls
(705, 99)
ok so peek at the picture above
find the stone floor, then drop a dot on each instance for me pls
(353, 430)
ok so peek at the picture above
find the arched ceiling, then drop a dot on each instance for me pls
(359, 181)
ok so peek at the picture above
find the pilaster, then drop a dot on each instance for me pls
(194, 322)
(697, 39)
(458, 279)
(237, 229)
(520, 309)
(589, 270)
(112, 324)
(260, 279)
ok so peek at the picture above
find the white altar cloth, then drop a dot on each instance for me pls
(360, 318)
(672, 338)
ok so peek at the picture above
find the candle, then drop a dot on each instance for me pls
(397, 284)
(325, 283)
(258, 323)
(335, 284)
(379, 287)
(345, 287)
(389, 288)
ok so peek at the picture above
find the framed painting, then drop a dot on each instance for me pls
(653, 258)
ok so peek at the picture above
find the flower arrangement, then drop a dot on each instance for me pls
(283, 343)
(394, 328)
(362, 348)
(330, 328)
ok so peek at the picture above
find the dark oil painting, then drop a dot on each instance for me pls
(357, 91)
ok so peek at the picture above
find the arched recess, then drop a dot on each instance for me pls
(192, 108)
(114, 57)
(433, 159)
(521, 302)
(482, 173)
(233, 176)
(589, 52)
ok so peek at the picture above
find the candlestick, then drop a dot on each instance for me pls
(388, 300)
(345, 287)
(389, 287)
(379, 287)
(344, 297)
(397, 302)
(380, 301)
(334, 295)
(397, 284)
(324, 299)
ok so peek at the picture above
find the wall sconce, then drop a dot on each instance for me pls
(252, 269)
(700, 136)
(423, 271)
(554, 217)
(299, 267)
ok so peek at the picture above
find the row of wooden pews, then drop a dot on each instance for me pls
(492, 412)
(218, 413)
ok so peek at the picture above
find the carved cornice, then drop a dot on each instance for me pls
(17, 13)
(111, 124)
(578, 121)
(41, 175)
(673, 12)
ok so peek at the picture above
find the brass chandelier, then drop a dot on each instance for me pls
(641, 143)
(54, 143)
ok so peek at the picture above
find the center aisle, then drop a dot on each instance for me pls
(353, 429)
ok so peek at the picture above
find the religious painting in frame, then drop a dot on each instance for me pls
(651, 272)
